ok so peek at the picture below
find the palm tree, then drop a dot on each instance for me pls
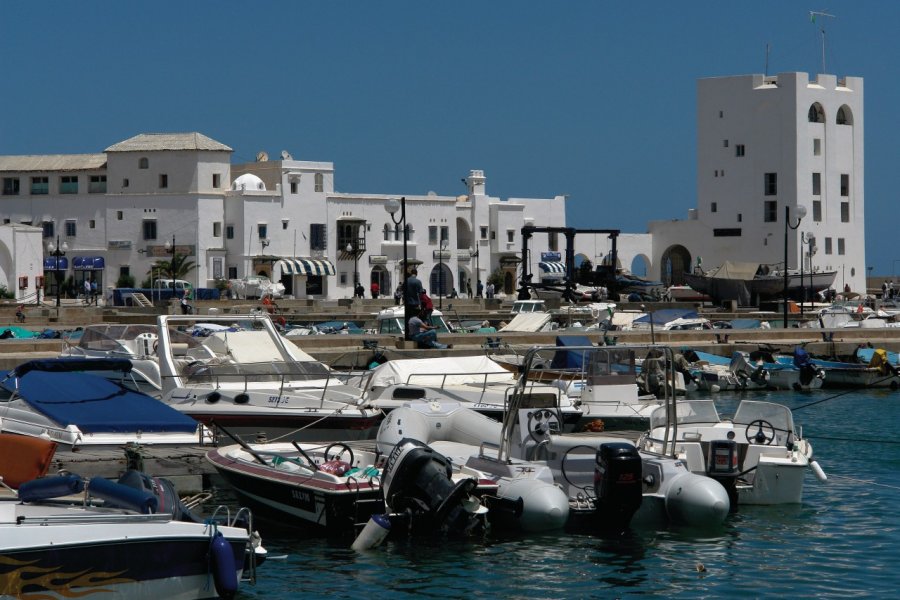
(177, 268)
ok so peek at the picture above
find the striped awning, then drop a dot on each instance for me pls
(305, 266)
(553, 268)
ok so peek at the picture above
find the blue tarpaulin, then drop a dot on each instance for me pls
(92, 403)
(570, 359)
(664, 315)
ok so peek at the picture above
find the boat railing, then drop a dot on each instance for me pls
(92, 517)
(519, 397)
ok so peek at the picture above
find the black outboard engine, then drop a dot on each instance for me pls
(722, 465)
(617, 483)
(804, 363)
(417, 484)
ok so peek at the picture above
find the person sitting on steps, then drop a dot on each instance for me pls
(424, 334)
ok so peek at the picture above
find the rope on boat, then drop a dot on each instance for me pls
(866, 481)
(874, 383)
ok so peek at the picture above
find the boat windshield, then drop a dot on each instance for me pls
(272, 371)
(779, 416)
(109, 338)
(687, 412)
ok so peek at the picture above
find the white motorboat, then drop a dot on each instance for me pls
(390, 321)
(475, 381)
(758, 455)
(252, 381)
(718, 373)
(136, 343)
(55, 547)
(67, 400)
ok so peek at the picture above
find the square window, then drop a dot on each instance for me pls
(553, 241)
(40, 186)
(48, 229)
(317, 237)
(445, 233)
(92, 224)
(320, 182)
(97, 184)
(10, 186)
(125, 182)
(144, 163)
(484, 233)
(262, 230)
(217, 181)
(770, 214)
(817, 210)
(232, 272)
(493, 235)
(725, 143)
(510, 235)
(721, 113)
(845, 184)
(739, 150)
(740, 217)
(293, 187)
(841, 246)
(817, 147)
(432, 234)
(284, 224)
(124, 271)
(149, 227)
(163, 181)
(817, 184)
(713, 206)
(770, 184)
(845, 212)
(70, 229)
(229, 233)
(119, 215)
(217, 229)
(828, 245)
(68, 184)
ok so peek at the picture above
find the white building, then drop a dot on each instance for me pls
(118, 212)
(764, 144)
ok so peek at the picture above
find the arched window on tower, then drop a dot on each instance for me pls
(844, 116)
(816, 113)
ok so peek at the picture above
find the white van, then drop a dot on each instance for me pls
(166, 284)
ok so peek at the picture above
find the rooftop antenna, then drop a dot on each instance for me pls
(767, 59)
(812, 18)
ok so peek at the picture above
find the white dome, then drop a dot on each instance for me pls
(248, 181)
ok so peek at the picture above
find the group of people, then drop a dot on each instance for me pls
(419, 304)
(887, 290)
(90, 291)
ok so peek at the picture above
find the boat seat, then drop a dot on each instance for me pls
(179, 348)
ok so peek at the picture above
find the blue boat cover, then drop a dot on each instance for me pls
(93, 403)
(570, 359)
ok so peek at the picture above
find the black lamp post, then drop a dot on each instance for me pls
(171, 247)
(391, 206)
(442, 246)
(801, 212)
(57, 251)
(350, 249)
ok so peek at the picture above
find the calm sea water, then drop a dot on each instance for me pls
(841, 542)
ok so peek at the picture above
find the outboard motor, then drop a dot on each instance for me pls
(804, 363)
(417, 483)
(722, 465)
(617, 483)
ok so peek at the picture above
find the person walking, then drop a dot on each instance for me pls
(87, 291)
(469, 287)
(94, 291)
(479, 289)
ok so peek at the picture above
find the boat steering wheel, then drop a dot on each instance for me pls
(344, 448)
(760, 437)
(539, 423)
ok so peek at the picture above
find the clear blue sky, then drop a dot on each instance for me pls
(591, 99)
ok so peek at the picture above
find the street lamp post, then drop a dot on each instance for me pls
(351, 250)
(801, 212)
(170, 247)
(807, 248)
(443, 246)
(652, 331)
(391, 206)
(57, 251)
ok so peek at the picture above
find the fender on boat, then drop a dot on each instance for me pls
(818, 471)
(50, 487)
(435, 421)
(123, 496)
(696, 500)
(224, 571)
(376, 531)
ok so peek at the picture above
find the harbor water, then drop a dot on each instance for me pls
(841, 542)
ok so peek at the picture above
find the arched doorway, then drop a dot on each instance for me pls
(676, 261)
(440, 282)
(640, 265)
(382, 277)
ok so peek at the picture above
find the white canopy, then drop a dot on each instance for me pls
(527, 322)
